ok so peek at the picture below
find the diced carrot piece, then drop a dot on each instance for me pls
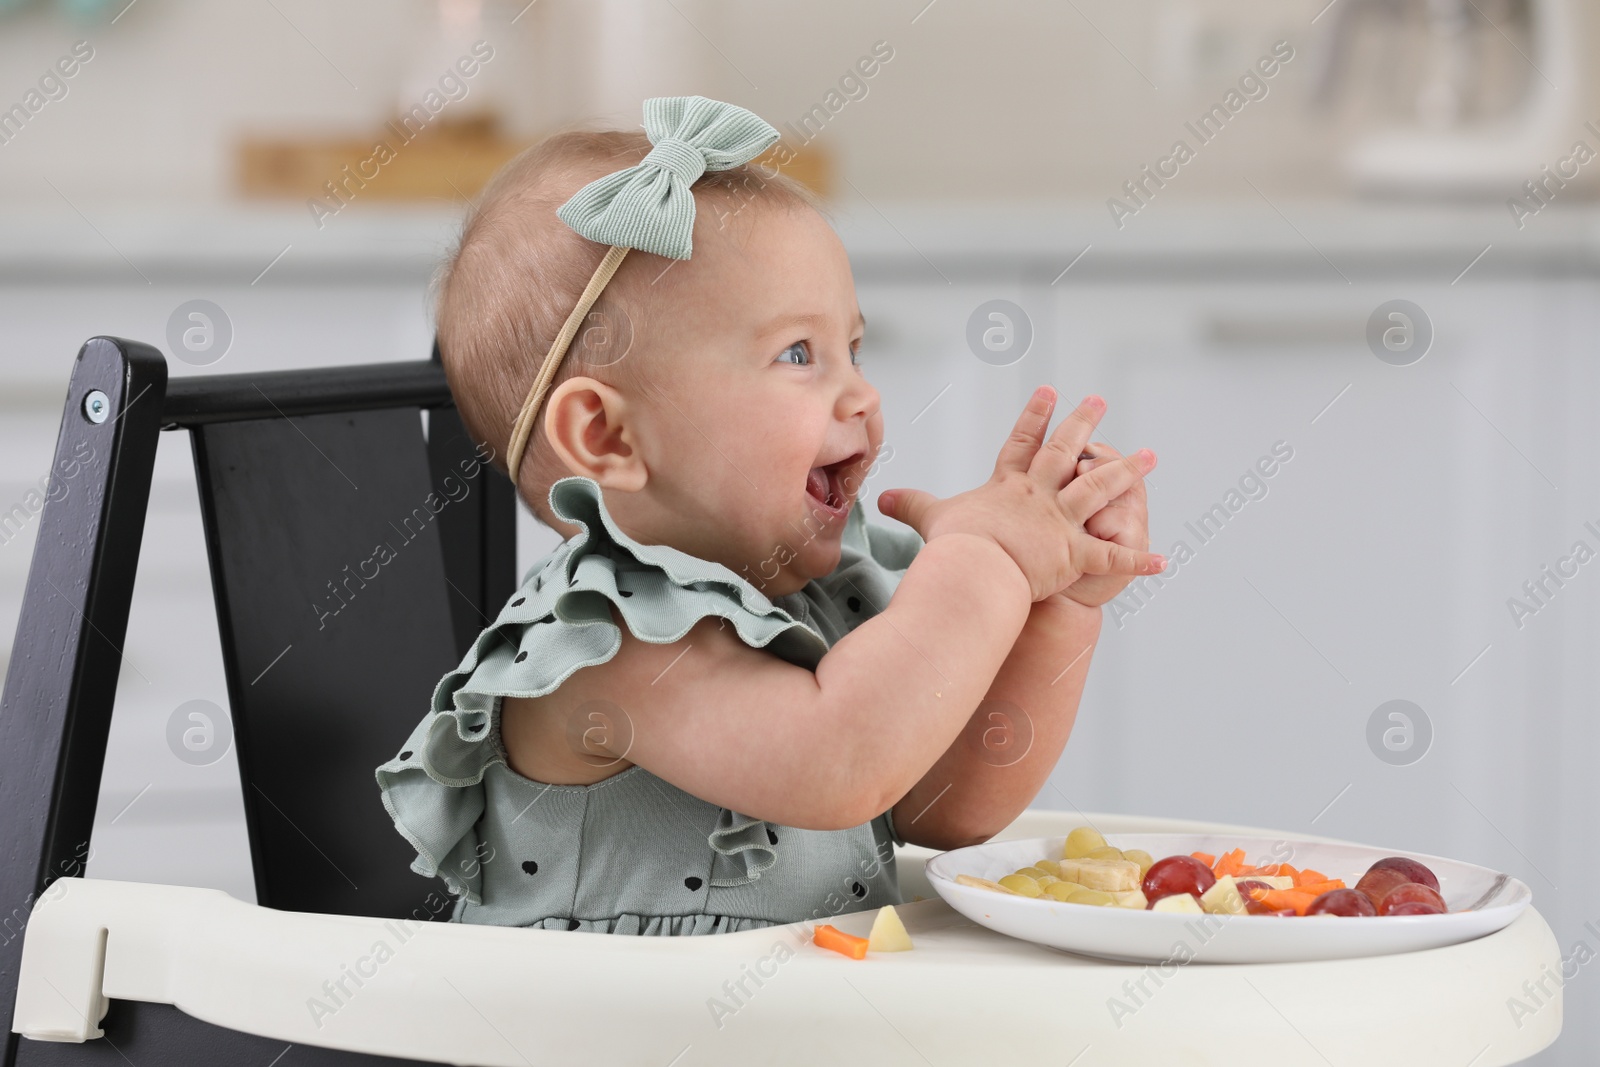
(1320, 888)
(830, 937)
(1279, 899)
(1229, 863)
(1308, 876)
(1204, 857)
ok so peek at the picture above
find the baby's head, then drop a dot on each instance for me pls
(716, 400)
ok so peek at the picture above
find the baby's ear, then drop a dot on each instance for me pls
(588, 427)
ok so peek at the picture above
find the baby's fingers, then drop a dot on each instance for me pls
(1095, 556)
(1058, 459)
(1028, 433)
(1090, 492)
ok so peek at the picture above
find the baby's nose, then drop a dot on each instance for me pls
(859, 398)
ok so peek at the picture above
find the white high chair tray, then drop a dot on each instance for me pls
(514, 998)
(1481, 901)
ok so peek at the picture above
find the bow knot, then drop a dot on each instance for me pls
(650, 206)
(680, 157)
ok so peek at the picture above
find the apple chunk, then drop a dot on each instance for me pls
(1223, 898)
(888, 932)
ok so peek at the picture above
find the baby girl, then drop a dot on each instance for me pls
(721, 701)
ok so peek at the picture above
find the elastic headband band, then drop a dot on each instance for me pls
(523, 428)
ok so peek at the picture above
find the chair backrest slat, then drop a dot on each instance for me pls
(324, 537)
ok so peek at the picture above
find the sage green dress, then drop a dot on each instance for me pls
(631, 853)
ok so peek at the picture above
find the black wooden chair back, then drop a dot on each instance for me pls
(353, 559)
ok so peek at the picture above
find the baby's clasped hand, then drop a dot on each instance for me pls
(1035, 506)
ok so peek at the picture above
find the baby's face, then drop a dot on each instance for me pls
(757, 427)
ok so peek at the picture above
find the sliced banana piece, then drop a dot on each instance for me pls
(1107, 875)
(982, 883)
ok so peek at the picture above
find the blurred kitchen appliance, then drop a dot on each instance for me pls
(1485, 111)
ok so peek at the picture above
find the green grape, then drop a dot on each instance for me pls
(1033, 872)
(1022, 885)
(1062, 891)
(1046, 880)
(1081, 842)
(1091, 896)
(1106, 853)
(1049, 867)
(1142, 858)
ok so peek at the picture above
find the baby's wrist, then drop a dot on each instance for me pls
(982, 547)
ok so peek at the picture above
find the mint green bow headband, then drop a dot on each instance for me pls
(649, 206)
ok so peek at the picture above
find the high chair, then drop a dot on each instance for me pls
(343, 961)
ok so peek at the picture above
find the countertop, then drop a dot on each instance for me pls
(281, 244)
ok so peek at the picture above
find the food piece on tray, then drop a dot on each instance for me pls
(1022, 885)
(1131, 898)
(830, 937)
(1107, 875)
(1109, 852)
(1177, 874)
(1183, 903)
(1414, 907)
(888, 932)
(1410, 893)
(1084, 895)
(1141, 857)
(1414, 871)
(1271, 881)
(1248, 886)
(1223, 898)
(1081, 842)
(1295, 900)
(1377, 883)
(1342, 902)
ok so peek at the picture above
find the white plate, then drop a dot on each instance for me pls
(1481, 901)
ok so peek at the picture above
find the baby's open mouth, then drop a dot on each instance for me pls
(829, 486)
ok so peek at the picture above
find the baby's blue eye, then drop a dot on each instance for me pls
(799, 347)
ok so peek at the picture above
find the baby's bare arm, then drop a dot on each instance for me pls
(1013, 741)
(743, 729)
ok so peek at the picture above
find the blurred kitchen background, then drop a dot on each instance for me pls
(1238, 305)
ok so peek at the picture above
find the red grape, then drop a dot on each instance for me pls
(1254, 907)
(1177, 874)
(1410, 893)
(1414, 907)
(1377, 882)
(1342, 902)
(1414, 871)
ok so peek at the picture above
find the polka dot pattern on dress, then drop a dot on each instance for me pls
(693, 884)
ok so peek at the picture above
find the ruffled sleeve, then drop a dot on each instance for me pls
(560, 621)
